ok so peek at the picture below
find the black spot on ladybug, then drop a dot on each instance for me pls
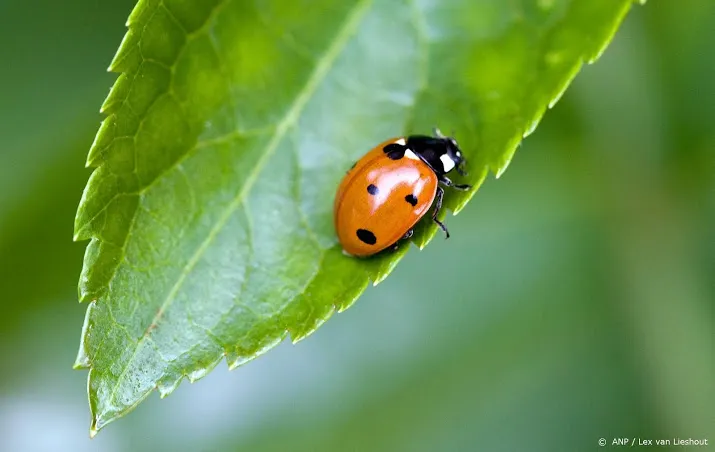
(366, 236)
(411, 199)
(394, 151)
(373, 190)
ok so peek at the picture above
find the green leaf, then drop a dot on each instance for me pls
(228, 131)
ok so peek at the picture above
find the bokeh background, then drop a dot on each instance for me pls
(574, 302)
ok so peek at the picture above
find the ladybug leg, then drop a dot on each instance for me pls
(446, 181)
(407, 235)
(437, 208)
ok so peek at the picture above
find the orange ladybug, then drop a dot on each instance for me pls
(391, 188)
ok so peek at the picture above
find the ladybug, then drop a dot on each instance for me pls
(391, 188)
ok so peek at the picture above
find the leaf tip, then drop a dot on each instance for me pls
(235, 360)
(82, 360)
(102, 140)
(298, 334)
(166, 389)
(614, 27)
(96, 425)
(382, 276)
(123, 58)
(200, 373)
(81, 230)
(501, 170)
(534, 124)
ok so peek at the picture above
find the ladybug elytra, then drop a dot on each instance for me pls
(391, 188)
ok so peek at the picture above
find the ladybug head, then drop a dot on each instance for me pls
(451, 157)
(440, 152)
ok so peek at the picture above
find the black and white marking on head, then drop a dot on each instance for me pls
(372, 189)
(447, 162)
(411, 155)
(366, 236)
(394, 151)
(412, 199)
(441, 153)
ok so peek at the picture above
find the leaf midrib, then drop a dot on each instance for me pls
(325, 63)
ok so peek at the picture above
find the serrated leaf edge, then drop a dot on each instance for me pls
(82, 361)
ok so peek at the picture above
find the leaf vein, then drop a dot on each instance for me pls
(418, 20)
(324, 65)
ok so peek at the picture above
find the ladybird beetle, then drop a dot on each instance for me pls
(391, 188)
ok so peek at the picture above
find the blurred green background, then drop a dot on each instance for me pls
(575, 300)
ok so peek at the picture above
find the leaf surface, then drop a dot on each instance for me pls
(209, 211)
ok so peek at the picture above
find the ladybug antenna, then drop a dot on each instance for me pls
(437, 132)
